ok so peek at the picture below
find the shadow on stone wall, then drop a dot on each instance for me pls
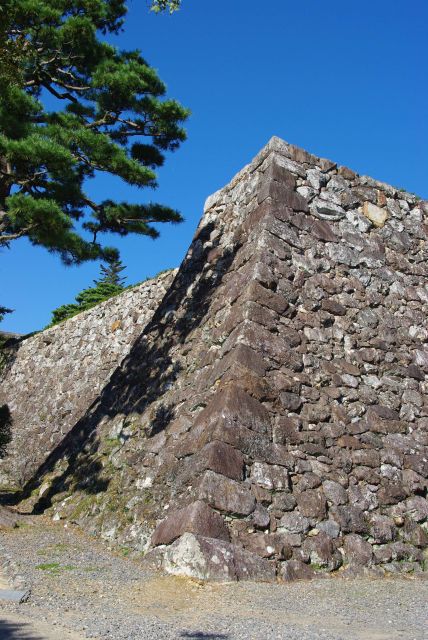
(5, 429)
(143, 377)
(9, 347)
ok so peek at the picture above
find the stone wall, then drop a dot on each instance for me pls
(273, 414)
(54, 376)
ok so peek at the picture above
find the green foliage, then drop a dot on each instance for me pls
(110, 115)
(4, 311)
(165, 5)
(111, 273)
(109, 285)
(102, 291)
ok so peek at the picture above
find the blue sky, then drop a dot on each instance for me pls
(347, 81)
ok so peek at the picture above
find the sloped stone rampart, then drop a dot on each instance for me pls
(282, 382)
(55, 376)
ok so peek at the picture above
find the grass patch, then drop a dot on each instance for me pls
(54, 568)
(48, 566)
(59, 547)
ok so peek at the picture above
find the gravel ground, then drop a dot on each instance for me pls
(81, 589)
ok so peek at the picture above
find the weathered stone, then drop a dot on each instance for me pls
(326, 209)
(349, 442)
(366, 458)
(415, 372)
(417, 508)
(307, 480)
(233, 405)
(363, 496)
(201, 558)
(8, 519)
(375, 214)
(14, 595)
(295, 570)
(392, 493)
(334, 492)
(381, 419)
(263, 296)
(270, 476)
(382, 554)
(284, 502)
(196, 518)
(421, 359)
(282, 194)
(261, 339)
(403, 551)
(382, 529)
(350, 519)
(290, 401)
(333, 307)
(280, 174)
(316, 179)
(225, 494)
(348, 174)
(415, 534)
(357, 551)
(224, 459)
(294, 523)
(341, 254)
(330, 527)
(247, 358)
(322, 552)
(260, 517)
(208, 559)
(312, 504)
(413, 482)
(250, 566)
(319, 412)
(286, 431)
(418, 463)
(268, 545)
(323, 231)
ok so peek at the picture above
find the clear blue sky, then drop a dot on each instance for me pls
(345, 80)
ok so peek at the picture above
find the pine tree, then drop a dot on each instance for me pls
(110, 116)
(3, 312)
(109, 284)
(111, 273)
(88, 298)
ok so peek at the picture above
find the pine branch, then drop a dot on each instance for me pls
(5, 239)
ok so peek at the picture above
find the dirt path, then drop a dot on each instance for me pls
(81, 589)
(18, 627)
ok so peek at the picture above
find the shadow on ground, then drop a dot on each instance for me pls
(200, 635)
(16, 631)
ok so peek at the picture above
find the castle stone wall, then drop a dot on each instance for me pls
(55, 376)
(273, 414)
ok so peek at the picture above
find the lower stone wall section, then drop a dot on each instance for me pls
(55, 376)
